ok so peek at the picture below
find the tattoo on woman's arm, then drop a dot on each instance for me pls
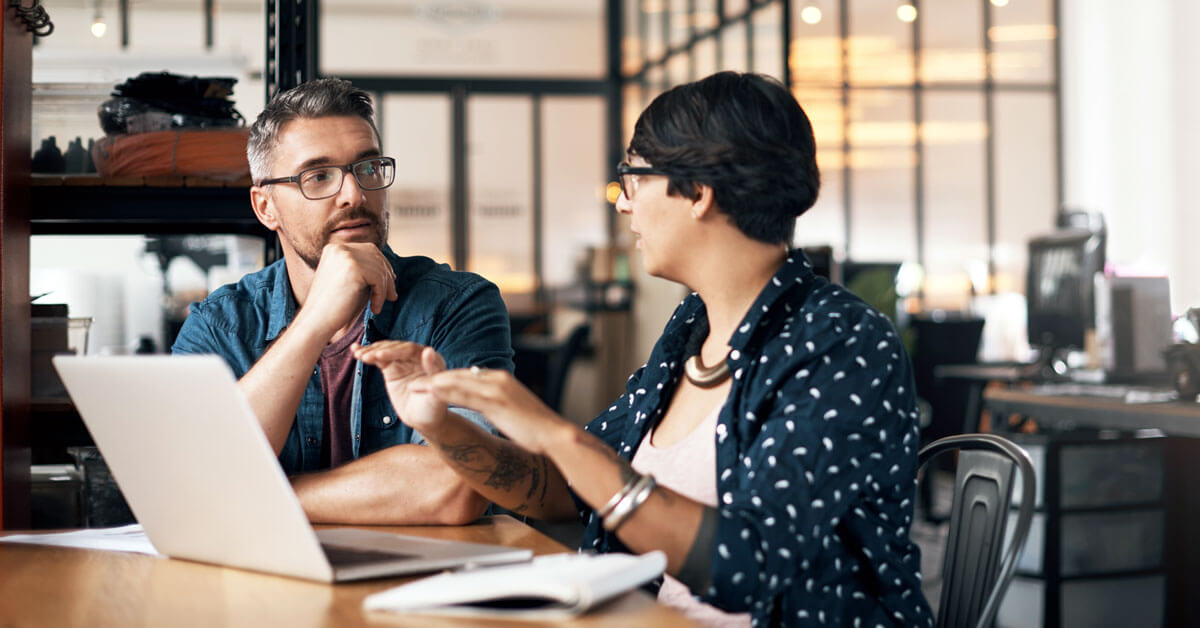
(506, 467)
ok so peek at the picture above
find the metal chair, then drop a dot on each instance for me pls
(975, 573)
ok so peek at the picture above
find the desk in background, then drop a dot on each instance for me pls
(54, 586)
(976, 377)
(1180, 422)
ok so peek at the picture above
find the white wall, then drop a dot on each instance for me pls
(1185, 90)
(1129, 131)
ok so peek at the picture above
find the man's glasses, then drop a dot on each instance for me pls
(373, 173)
(625, 173)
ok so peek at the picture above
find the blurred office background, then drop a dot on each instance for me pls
(950, 132)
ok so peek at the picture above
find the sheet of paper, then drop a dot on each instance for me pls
(130, 538)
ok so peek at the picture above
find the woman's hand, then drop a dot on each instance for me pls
(508, 405)
(406, 367)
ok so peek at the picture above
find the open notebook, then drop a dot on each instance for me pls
(549, 587)
(201, 478)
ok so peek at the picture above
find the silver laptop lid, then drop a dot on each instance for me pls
(193, 462)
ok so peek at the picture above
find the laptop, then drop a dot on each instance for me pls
(193, 463)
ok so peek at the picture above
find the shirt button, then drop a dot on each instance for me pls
(311, 440)
(387, 420)
(356, 437)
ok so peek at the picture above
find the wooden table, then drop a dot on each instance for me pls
(1174, 418)
(54, 586)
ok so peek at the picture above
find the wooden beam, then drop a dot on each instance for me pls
(16, 61)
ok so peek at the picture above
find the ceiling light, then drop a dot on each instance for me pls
(906, 12)
(999, 3)
(811, 13)
(98, 26)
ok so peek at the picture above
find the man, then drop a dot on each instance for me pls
(288, 331)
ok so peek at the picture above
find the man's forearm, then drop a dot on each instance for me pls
(275, 384)
(400, 485)
(502, 472)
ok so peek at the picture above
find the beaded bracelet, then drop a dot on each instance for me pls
(630, 502)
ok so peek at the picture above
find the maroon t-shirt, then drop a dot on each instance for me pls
(337, 381)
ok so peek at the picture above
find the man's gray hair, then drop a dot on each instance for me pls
(317, 98)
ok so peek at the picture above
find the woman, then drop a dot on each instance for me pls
(779, 480)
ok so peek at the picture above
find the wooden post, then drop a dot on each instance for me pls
(16, 76)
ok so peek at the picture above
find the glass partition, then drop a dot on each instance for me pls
(416, 131)
(500, 190)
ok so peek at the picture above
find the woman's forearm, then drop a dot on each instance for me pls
(503, 472)
(666, 521)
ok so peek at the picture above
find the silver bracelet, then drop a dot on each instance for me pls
(631, 502)
(612, 503)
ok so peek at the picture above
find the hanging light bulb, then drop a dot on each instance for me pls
(906, 12)
(811, 13)
(98, 26)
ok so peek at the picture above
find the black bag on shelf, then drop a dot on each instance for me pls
(159, 101)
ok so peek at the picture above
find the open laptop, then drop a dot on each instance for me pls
(197, 470)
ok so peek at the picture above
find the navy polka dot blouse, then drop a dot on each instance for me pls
(816, 457)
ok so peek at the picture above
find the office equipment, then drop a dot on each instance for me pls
(1133, 326)
(975, 573)
(551, 587)
(191, 458)
(73, 588)
(1059, 292)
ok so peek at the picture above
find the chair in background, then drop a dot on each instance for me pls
(942, 339)
(543, 363)
(975, 572)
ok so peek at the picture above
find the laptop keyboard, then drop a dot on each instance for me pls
(342, 556)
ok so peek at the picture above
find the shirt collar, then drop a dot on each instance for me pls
(795, 273)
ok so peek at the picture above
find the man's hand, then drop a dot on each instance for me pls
(406, 367)
(348, 274)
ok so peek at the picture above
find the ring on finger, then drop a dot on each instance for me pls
(476, 371)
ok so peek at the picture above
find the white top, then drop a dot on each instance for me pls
(689, 468)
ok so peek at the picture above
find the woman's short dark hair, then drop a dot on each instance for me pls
(746, 137)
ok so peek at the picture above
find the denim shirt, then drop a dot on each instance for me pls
(459, 314)
(816, 457)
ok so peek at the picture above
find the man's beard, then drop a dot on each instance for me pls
(311, 255)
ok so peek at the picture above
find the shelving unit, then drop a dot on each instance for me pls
(1095, 555)
(1129, 583)
(93, 205)
(88, 204)
(33, 205)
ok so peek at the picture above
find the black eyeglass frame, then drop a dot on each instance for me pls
(348, 168)
(624, 169)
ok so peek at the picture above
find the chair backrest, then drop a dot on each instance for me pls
(975, 573)
(560, 365)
